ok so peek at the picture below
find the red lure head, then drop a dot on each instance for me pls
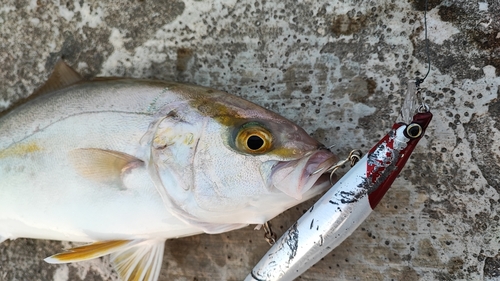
(382, 176)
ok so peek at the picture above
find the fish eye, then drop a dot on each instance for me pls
(413, 131)
(254, 139)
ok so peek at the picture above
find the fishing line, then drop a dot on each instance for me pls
(418, 81)
(414, 92)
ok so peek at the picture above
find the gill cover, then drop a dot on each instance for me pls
(171, 144)
(175, 142)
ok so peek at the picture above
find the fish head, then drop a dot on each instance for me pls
(237, 163)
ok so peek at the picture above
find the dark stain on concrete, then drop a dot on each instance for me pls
(494, 110)
(181, 249)
(347, 25)
(328, 48)
(446, 276)
(18, 250)
(492, 267)
(488, 41)
(438, 209)
(359, 89)
(382, 119)
(426, 255)
(140, 19)
(74, 49)
(451, 13)
(481, 222)
(91, 275)
(137, 20)
(321, 135)
(293, 77)
(409, 274)
(479, 132)
(484, 38)
(419, 5)
(455, 265)
(454, 56)
(371, 85)
(184, 55)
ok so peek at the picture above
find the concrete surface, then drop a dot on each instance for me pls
(337, 68)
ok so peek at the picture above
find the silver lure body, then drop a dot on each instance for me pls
(342, 209)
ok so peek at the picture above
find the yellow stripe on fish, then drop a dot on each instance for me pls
(20, 150)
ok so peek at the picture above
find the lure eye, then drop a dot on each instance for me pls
(253, 139)
(413, 131)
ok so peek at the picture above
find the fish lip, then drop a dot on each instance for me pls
(297, 177)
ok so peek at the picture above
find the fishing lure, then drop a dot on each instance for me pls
(351, 200)
(348, 203)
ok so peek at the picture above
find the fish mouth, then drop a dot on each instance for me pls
(297, 177)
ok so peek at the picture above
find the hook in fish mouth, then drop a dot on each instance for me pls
(296, 177)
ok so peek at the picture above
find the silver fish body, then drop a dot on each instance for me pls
(126, 164)
(37, 187)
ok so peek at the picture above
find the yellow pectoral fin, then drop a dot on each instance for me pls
(102, 165)
(91, 251)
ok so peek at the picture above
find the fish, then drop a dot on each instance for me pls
(123, 164)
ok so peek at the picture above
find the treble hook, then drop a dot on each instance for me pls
(353, 158)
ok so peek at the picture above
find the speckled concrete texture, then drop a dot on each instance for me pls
(337, 68)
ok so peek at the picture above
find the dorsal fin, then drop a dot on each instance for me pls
(62, 76)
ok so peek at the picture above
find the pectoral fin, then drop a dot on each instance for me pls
(102, 165)
(134, 260)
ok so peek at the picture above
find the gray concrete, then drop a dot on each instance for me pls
(337, 68)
